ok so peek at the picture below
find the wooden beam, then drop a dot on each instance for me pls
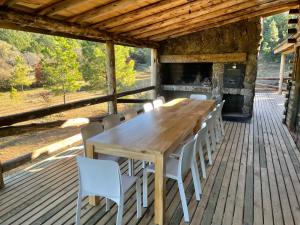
(207, 16)
(165, 15)
(53, 26)
(140, 13)
(206, 13)
(293, 21)
(292, 31)
(10, 2)
(1, 176)
(294, 11)
(110, 10)
(223, 20)
(281, 73)
(111, 77)
(226, 57)
(58, 7)
(154, 72)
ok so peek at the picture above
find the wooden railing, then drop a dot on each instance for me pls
(20, 117)
(260, 85)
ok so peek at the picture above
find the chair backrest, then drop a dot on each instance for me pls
(148, 107)
(186, 156)
(99, 178)
(210, 121)
(201, 134)
(162, 98)
(90, 130)
(198, 97)
(157, 103)
(130, 113)
(111, 121)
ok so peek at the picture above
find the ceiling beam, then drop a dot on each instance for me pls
(222, 9)
(224, 20)
(52, 26)
(165, 15)
(9, 2)
(139, 13)
(200, 15)
(58, 6)
(110, 10)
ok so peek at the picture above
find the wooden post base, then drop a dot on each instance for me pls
(1, 177)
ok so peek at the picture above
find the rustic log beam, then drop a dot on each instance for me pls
(34, 114)
(154, 72)
(58, 7)
(136, 101)
(110, 10)
(140, 13)
(294, 11)
(226, 19)
(111, 77)
(293, 21)
(292, 31)
(218, 10)
(226, 57)
(56, 27)
(1, 176)
(9, 2)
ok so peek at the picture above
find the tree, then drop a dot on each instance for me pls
(92, 64)
(274, 33)
(61, 66)
(20, 74)
(124, 68)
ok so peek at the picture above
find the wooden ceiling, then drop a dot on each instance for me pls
(131, 22)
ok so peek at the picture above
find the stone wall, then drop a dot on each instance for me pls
(241, 37)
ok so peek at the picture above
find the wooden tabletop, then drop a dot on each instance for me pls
(159, 131)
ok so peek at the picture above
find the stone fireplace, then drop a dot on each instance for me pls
(220, 63)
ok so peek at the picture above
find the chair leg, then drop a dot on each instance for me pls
(120, 213)
(78, 210)
(183, 201)
(196, 180)
(208, 148)
(222, 126)
(202, 161)
(107, 204)
(213, 139)
(145, 189)
(130, 167)
(138, 199)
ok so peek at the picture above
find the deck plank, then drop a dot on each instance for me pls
(254, 179)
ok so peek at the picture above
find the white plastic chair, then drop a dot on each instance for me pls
(130, 113)
(91, 130)
(198, 97)
(111, 121)
(176, 170)
(148, 107)
(210, 121)
(162, 98)
(157, 103)
(103, 178)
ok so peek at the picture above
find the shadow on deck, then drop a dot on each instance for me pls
(254, 180)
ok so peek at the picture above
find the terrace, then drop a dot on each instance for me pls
(207, 48)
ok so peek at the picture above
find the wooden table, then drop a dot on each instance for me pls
(152, 136)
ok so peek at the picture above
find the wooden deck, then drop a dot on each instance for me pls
(255, 179)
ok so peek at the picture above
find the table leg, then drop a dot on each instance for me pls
(93, 200)
(160, 187)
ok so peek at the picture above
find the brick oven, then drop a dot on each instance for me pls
(219, 62)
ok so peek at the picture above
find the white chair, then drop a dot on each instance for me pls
(176, 169)
(130, 113)
(157, 103)
(198, 97)
(202, 139)
(91, 130)
(162, 98)
(148, 107)
(210, 121)
(103, 178)
(111, 121)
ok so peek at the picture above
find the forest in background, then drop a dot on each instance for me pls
(62, 65)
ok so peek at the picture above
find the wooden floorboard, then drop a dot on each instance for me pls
(254, 179)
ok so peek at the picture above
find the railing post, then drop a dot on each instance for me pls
(1, 176)
(154, 72)
(111, 76)
(281, 73)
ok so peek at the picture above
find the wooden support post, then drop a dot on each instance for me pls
(154, 72)
(111, 76)
(281, 73)
(1, 177)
